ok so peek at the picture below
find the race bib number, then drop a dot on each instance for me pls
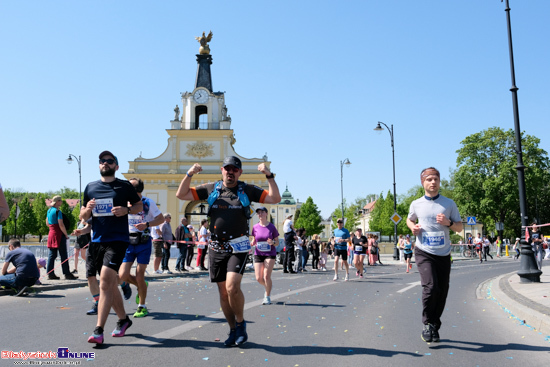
(103, 208)
(134, 219)
(240, 245)
(433, 239)
(263, 246)
(337, 240)
(358, 248)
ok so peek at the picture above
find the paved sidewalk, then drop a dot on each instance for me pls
(527, 301)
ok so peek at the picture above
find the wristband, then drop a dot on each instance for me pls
(188, 175)
(270, 176)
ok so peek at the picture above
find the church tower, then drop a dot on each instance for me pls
(202, 135)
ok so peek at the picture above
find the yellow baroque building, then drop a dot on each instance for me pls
(202, 135)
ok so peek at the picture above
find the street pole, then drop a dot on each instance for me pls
(79, 161)
(342, 163)
(529, 271)
(390, 130)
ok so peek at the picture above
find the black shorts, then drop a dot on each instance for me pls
(109, 254)
(221, 263)
(261, 258)
(342, 254)
(408, 256)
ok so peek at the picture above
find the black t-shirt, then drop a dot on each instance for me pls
(106, 226)
(228, 220)
(359, 241)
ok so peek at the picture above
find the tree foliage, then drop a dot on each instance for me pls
(486, 183)
(40, 210)
(309, 218)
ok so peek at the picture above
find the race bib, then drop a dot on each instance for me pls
(358, 248)
(103, 208)
(240, 245)
(434, 239)
(337, 240)
(263, 246)
(134, 219)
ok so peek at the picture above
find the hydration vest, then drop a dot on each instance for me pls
(243, 198)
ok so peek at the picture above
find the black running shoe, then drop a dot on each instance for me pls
(427, 334)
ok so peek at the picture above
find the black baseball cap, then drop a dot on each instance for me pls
(232, 161)
(106, 152)
(261, 208)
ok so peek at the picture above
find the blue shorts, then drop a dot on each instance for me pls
(142, 252)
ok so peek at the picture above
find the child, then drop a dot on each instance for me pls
(324, 257)
(41, 263)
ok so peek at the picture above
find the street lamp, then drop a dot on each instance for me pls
(529, 271)
(390, 130)
(342, 163)
(79, 161)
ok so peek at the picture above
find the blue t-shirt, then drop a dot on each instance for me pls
(24, 262)
(106, 226)
(341, 233)
(408, 248)
(54, 216)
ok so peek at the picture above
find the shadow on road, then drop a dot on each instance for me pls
(487, 348)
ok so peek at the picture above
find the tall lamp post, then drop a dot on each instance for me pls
(390, 130)
(342, 163)
(79, 161)
(529, 271)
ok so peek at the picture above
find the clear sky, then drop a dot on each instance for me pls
(305, 81)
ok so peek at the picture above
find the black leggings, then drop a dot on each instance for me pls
(190, 254)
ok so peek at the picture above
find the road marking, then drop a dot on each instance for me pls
(173, 332)
(412, 285)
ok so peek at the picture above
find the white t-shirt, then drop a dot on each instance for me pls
(287, 226)
(203, 234)
(141, 217)
(477, 241)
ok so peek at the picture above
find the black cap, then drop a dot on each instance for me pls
(106, 152)
(261, 208)
(232, 161)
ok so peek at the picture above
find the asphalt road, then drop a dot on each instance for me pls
(313, 321)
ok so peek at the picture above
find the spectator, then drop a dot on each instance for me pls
(182, 234)
(57, 240)
(167, 237)
(25, 271)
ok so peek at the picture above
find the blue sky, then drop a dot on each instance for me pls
(305, 82)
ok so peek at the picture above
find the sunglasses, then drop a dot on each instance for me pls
(108, 161)
(231, 169)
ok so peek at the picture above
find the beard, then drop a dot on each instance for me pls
(107, 172)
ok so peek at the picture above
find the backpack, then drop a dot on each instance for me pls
(243, 198)
(66, 221)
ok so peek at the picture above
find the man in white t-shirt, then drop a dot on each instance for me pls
(140, 246)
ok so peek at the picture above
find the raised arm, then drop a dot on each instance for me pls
(184, 192)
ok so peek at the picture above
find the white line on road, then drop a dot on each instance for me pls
(170, 333)
(412, 285)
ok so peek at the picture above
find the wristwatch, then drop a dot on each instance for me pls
(451, 224)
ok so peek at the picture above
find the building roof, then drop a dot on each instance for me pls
(286, 198)
(369, 206)
(72, 202)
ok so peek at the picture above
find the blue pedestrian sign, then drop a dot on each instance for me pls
(471, 221)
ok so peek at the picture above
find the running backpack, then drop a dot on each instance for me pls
(243, 198)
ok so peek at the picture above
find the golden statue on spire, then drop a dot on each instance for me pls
(203, 40)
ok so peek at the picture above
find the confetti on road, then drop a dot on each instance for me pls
(205, 359)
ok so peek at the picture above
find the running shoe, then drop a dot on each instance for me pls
(126, 290)
(361, 276)
(357, 273)
(158, 271)
(427, 334)
(121, 327)
(335, 277)
(435, 334)
(93, 311)
(410, 266)
(141, 312)
(167, 272)
(347, 277)
(267, 300)
(230, 342)
(97, 336)
(74, 271)
(137, 295)
(241, 335)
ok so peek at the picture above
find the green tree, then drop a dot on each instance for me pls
(310, 218)
(40, 210)
(486, 183)
(26, 223)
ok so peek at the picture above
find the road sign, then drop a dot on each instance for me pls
(471, 221)
(396, 218)
(499, 226)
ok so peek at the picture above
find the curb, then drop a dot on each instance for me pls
(531, 313)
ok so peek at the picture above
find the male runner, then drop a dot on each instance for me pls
(436, 215)
(140, 245)
(341, 236)
(229, 227)
(106, 202)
